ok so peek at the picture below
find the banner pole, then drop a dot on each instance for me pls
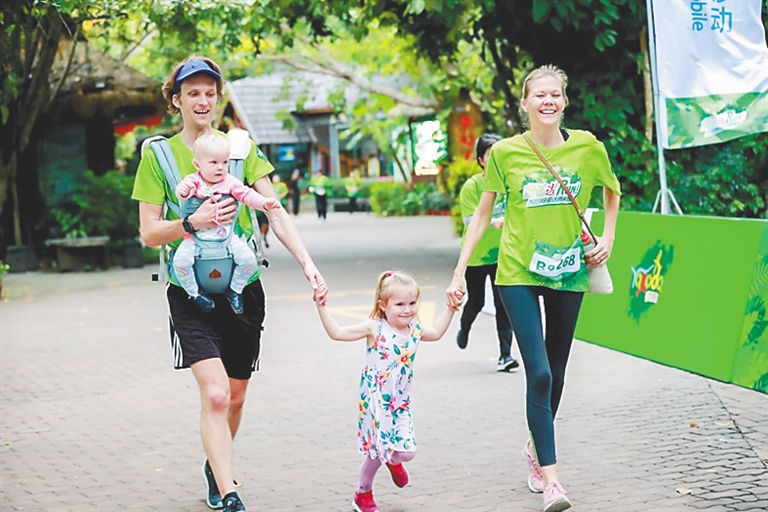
(664, 192)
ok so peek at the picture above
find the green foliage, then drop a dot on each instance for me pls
(728, 179)
(3, 269)
(339, 188)
(457, 173)
(102, 206)
(390, 198)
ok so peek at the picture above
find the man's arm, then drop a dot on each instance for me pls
(285, 230)
(156, 231)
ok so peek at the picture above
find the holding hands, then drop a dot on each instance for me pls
(455, 292)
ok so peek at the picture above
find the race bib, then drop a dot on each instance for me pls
(556, 263)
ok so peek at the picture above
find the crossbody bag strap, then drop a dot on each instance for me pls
(562, 185)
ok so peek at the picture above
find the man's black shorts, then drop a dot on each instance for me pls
(235, 339)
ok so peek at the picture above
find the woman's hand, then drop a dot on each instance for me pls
(602, 251)
(455, 292)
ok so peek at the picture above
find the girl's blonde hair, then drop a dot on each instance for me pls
(541, 72)
(388, 281)
(171, 88)
(210, 141)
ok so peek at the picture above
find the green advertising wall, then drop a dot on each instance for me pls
(689, 292)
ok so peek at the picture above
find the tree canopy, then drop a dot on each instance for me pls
(485, 46)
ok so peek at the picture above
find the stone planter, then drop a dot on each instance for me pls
(21, 258)
(132, 254)
(78, 254)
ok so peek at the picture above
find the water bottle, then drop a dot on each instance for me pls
(588, 242)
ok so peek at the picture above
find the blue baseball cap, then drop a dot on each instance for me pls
(194, 67)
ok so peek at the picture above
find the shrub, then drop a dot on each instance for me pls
(457, 173)
(102, 206)
(393, 198)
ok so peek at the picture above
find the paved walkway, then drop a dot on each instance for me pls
(94, 418)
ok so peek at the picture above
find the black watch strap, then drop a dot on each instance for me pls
(187, 225)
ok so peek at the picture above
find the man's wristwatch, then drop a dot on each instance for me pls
(187, 225)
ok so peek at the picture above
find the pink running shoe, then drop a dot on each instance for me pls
(399, 474)
(555, 499)
(363, 502)
(535, 478)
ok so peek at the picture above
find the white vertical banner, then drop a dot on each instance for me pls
(712, 70)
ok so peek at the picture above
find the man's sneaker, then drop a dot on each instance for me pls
(204, 303)
(232, 503)
(363, 502)
(235, 300)
(535, 478)
(214, 497)
(555, 499)
(507, 364)
(399, 474)
(462, 338)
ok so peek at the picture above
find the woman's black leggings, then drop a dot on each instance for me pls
(544, 359)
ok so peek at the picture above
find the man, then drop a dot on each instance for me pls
(320, 185)
(221, 348)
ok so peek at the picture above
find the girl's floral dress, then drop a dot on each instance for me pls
(385, 424)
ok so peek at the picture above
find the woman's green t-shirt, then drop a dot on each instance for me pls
(540, 242)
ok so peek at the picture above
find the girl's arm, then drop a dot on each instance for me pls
(436, 331)
(481, 219)
(348, 333)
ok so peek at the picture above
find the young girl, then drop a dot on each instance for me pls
(385, 431)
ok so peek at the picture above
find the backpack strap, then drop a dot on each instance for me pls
(167, 162)
(239, 149)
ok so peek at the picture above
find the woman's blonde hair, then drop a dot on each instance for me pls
(171, 88)
(541, 72)
(388, 281)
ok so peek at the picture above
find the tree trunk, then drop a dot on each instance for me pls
(32, 67)
(647, 87)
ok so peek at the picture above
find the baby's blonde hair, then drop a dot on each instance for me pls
(210, 141)
(388, 281)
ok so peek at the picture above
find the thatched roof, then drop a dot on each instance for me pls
(98, 84)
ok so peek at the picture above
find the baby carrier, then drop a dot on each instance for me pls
(214, 263)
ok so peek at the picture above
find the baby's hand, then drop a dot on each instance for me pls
(271, 204)
(183, 189)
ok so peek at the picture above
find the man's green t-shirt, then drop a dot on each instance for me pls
(352, 185)
(321, 184)
(151, 186)
(487, 250)
(540, 242)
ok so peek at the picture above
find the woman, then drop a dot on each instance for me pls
(542, 225)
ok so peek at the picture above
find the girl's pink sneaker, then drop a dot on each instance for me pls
(399, 474)
(363, 502)
(555, 499)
